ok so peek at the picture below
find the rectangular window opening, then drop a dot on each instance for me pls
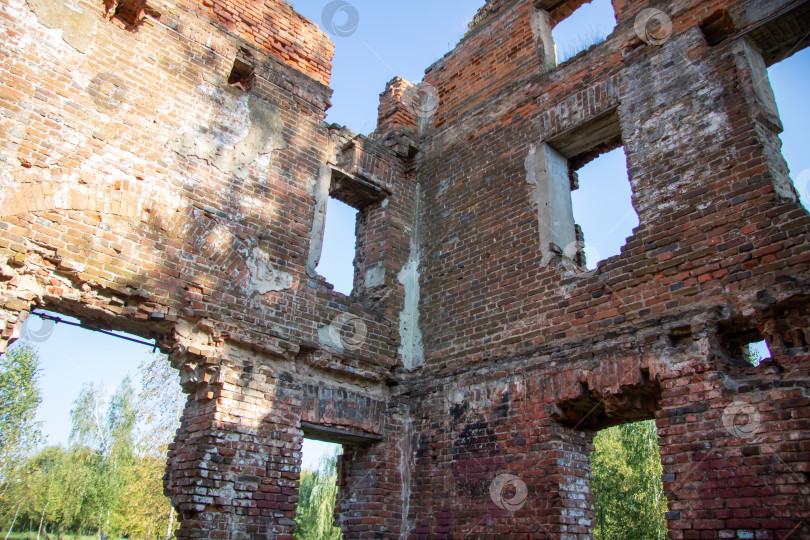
(317, 492)
(628, 494)
(603, 208)
(589, 25)
(337, 263)
(789, 84)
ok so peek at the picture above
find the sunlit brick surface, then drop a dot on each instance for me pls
(471, 366)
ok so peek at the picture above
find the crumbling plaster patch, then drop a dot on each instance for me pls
(232, 131)
(541, 31)
(320, 190)
(262, 276)
(411, 347)
(77, 27)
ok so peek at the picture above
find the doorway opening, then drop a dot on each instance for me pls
(629, 500)
(317, 494)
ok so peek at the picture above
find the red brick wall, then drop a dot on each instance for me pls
(497, 52)
(276, 28)
(142, 192)
(712, 255)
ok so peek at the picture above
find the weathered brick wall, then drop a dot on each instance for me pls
(276, 28)
(165, 168)
(151, 182)
(721, 248)
(496, 53)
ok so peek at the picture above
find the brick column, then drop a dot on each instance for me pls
(397, 110)
(565, 506)
(734, 449)
(375, 481)
(234, 467)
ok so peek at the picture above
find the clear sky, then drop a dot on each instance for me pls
(69, 358)
(403, 38)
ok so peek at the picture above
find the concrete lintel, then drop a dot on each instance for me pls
(337, 435)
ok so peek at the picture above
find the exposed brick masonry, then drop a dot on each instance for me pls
(164, 170)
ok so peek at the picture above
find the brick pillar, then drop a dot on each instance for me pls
(734, 447)
(375, 481)
(234, 467)
(406, 107)
(564, 508)
(12, 314)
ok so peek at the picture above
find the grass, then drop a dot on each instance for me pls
(583, 41)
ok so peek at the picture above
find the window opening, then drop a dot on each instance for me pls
(757, 351)
(589, 25)
(746, 348)
(789, 84)
(339, 245)
(603, 208)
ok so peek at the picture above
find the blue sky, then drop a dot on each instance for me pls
(404, 38)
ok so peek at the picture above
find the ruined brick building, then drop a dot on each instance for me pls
(165, 168)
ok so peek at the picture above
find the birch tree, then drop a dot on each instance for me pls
(20, 397)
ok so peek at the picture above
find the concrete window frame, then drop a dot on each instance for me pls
(360, 194)
(551, 167)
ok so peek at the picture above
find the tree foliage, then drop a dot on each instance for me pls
(108, 480)
(628, 494)
(19, 398)
(315, 515)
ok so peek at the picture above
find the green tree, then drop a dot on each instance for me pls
(109, 479)
(316, 503)
(55, 489)
(20, 397)
(160, 404)
(106, 431)
(20, 434)
(148, 512)
(628, 494)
